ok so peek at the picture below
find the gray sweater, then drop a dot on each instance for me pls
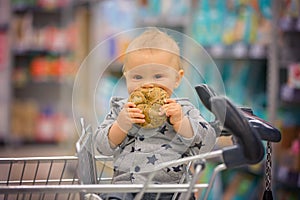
(142, 149)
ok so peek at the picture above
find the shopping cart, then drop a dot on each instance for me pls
(86, 174)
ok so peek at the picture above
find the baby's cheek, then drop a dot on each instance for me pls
(170, 85)
(131, 87)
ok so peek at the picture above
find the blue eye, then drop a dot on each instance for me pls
(157, 76)
(137, 77)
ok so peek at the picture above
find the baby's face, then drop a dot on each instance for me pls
(148, 68)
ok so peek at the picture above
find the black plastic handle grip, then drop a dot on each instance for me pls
(205, 93)
(265, 130)
(238, 124)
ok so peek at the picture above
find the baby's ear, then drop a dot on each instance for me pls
(179, 77)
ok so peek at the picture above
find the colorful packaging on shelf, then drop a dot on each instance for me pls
(289, 19)
(294, 75)
(61, 69)
(4, 45)
(44, 131)
(53, 4)
(23, 119)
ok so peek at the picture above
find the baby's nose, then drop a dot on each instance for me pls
(148, 85)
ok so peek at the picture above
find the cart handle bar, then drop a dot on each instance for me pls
(249, 148)
(264, 129)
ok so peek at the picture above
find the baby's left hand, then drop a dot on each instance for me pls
(173, 110)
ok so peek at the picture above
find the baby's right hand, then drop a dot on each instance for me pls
(129, 115)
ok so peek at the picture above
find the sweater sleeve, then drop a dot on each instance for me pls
(101, 137)
(204, 138)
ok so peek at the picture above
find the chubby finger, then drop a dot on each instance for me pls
(169, 105)
(129, 105)
(165, 110)
(137, 120)
(136, 115)
(168, 101)
(134, 110)
(172, 109)
(172, 112)
(172, 105)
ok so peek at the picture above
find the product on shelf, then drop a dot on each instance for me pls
(290, 91)
(30, 123)
(241, 27)
(45, 46)
(53, 126)
(53, 4)
(44, 129)
(294, 75)
(290, 94)
(45, 4)
(172, 12)
(4, 68)
(47, 38)
(288, 157)
(20, 77)
(45, 69)
(23, 119)
(64, 129)
(290, 16)
(4, 14)
(4, 45)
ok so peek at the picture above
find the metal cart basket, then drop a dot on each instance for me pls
(85, 174)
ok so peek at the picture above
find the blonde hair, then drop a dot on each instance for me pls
(154, 39)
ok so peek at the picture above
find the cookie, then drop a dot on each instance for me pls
(149, 100)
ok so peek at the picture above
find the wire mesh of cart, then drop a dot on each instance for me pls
(30, 172)
(54, 177)
(85, 175)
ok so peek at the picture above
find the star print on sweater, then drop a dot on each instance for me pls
(179, 139)
(198, 145)
(163, 129)
(130, 137)
(115, 168)
(109, 115)
(184, 155)
(133, 149)
(152, 159)
(166, 146)
(204, 125)
(137, 169)
(131, 176)
(177, 169)
(141, 138)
